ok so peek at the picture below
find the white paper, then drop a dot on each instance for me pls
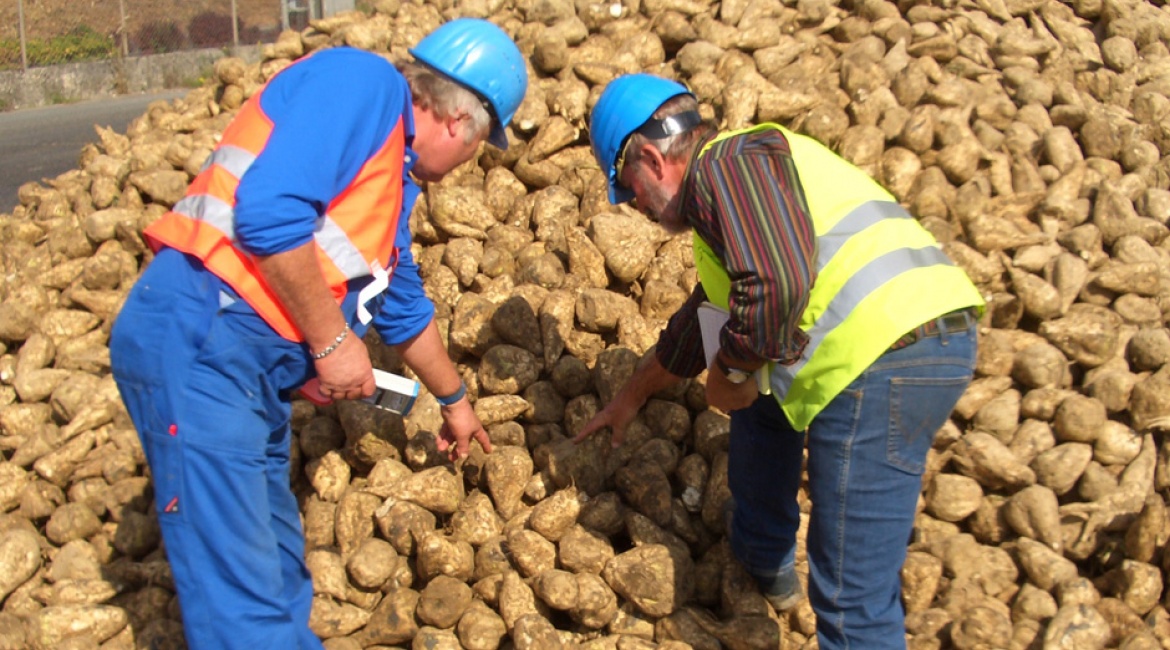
(711, 320)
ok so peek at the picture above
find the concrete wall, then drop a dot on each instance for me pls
(78, 81)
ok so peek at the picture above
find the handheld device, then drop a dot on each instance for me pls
(394, 393)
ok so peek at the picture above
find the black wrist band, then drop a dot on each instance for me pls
(724, 368)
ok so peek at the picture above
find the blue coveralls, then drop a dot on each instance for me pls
(208, 383)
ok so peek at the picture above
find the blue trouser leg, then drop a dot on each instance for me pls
(866, 454)
(286, 522)
(764, 471)
(207, 389)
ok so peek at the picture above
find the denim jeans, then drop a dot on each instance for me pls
(866, 455)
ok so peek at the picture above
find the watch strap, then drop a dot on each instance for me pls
(728, 370)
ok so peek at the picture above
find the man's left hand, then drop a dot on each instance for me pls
(726, 396)
(460, 426)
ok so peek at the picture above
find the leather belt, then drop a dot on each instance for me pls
(956, 321)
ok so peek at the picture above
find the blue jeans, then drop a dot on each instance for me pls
(208, 387)
(866, 455)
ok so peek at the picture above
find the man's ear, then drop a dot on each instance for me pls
(653, 159)
(456, 123)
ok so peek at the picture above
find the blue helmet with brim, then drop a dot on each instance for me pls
(625, 106)
(481, 57)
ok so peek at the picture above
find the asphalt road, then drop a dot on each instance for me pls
(40, 143)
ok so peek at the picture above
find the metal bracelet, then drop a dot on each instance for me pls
(336, 343)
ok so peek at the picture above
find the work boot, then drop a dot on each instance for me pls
(783, 591)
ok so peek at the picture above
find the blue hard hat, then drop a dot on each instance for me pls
(624, 106)
(481, 57)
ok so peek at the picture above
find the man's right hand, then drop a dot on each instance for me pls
(648, 378)
(617, 415)
(295, 277)
(346, 373)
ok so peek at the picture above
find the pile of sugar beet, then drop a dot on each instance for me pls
(1027, 135)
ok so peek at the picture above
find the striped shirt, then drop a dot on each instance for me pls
(744, 198)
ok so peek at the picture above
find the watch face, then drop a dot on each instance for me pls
(737, 376)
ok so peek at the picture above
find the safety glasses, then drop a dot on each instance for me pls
(621, 162)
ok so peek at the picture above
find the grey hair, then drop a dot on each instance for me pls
(676, 147)
(444, 97)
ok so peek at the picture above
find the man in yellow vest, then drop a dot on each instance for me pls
(848, 329)
(292, 242)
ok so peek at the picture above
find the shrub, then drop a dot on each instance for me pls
(157, 38)
(80, 44)
(210, 29)
(9, 54)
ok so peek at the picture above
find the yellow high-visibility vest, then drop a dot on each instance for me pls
(880, 274)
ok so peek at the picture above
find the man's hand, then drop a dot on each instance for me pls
(346, 373)
(648, 378)
(726, 396)
(617, 415)
(295, 277)
(460, 426)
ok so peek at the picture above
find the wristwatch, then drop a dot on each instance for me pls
(734, 375)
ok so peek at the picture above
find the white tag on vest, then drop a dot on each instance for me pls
(372, 290)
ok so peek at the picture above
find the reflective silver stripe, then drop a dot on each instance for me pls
(338, 247)
(210, 210)
(232, 158)
(858, 219)
(332, 239)
(328, 235)
(865, 281)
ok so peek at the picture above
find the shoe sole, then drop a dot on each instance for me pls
(779, 603)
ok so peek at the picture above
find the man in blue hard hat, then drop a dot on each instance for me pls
(290, 244)
(846, 328)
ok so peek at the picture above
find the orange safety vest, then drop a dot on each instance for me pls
(354, 238)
